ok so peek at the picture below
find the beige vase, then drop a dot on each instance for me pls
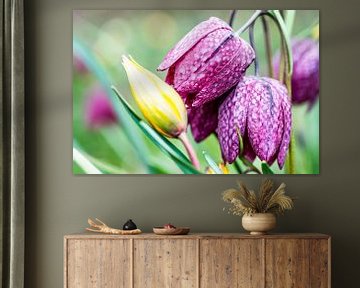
(259, 223)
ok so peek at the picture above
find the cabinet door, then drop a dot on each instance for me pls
(231, 263)
(320, 263)
(165, 263)
(287, 263)
(98, 263)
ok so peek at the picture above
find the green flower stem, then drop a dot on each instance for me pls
(237, 167)
(189, 149)
(252, 43)
(251, 166)
(287, 64)
(275, 14)
(251, 20)
(282, 70)
(290, 167)
(232, 17)
(291, 159)
(267, 37)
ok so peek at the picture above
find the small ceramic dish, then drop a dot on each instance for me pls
(171, 231)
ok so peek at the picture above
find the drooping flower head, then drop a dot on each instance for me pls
(259, 109)
(305, 80)
(203, 120)
(207, 62)
(99, 111)
(160, 104)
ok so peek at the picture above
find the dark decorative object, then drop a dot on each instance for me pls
(129, 225)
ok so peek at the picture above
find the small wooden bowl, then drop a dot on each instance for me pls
(171, 231)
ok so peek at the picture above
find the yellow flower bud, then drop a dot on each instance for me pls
(222, 167)
(160, 104)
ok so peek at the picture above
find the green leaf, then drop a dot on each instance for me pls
(106, 167)
(285, 36)
(159, 140)
(238, 167)
(265, 168)
(158, 170)
(92, 165)
(84, 163)
(241, 143)
(114, 136)
(212, 163)
(186, 168)
(131, 134)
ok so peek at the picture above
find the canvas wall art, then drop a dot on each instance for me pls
(196, 92)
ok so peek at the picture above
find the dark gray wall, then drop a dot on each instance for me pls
(59, 203)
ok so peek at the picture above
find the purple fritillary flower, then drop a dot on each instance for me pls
(203, 120)
(305, 80)
(99, 111)
(259, 108)
(207, 62)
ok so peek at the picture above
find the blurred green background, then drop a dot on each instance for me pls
(147, 36)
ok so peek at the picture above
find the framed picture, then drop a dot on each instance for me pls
(196, 92)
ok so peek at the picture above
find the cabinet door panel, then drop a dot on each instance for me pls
(319, 263)
(287, 263)
(98, 264)
(231, 263)
(166, 263)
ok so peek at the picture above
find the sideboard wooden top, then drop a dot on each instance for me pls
(86, 235)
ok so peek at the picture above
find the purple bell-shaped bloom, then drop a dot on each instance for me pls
(203, 120)
(207, 62)
(99, 111)
(259, 109)
(305, 81)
